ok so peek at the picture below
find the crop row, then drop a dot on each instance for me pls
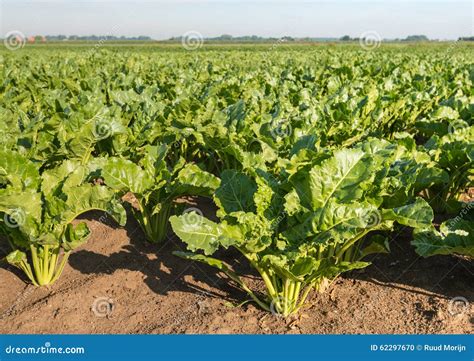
(313, 158)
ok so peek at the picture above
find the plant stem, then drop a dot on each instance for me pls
(60, 269)
(36, 264)
(286, 298)
(350, 244)
(304, 296)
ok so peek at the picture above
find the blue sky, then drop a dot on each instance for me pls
(164, 19)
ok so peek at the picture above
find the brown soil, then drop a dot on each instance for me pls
(117, 283)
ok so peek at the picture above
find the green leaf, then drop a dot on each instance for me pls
(455, 236)
(416, 215)
(75, 236)
(16, 258)
(377, 244)
(197, 232)
(340, 177)
(68, 174)
(125, 176)
(429, 176)
(279, 265)
(330, 271)
(336, 223)
(304, 266)
(444, 112)
(192, 180)
(153, 159)
(22, 210)
(18, 172)
(88, 197)
(236, 192)
(79, 137)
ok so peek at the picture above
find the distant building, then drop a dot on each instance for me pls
(36, 39)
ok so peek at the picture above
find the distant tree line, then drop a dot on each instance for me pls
(95, 38)
(222, 38)
(408, 38)
(247, 38)
(255, 39)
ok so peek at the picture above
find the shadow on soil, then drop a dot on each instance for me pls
(163, 271)
(444, 276)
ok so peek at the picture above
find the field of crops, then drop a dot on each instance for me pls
(303, 189)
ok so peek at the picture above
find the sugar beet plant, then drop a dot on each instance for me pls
(37, 211)
(155, 186)
(451, 167)
(302, 231)
(455, 236)
(309, 187)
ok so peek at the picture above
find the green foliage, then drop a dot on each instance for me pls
(455, 236)
(155, 186)
(302, 232)
(450, 170)
(312, 154)
(38, 210)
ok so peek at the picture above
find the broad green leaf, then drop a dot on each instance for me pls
(377, 244)
(429, 176)
(416, 215)
(197, 232)
(341, 177)
(454, 237)
(68, 174)
(18, 172)
(279, 264)
(125, 176)
(21, 210)
(153, 159)
(330, 270)
(236, 192)
(444, 112)
(192, 180)
(336, 223)
(88, 197)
